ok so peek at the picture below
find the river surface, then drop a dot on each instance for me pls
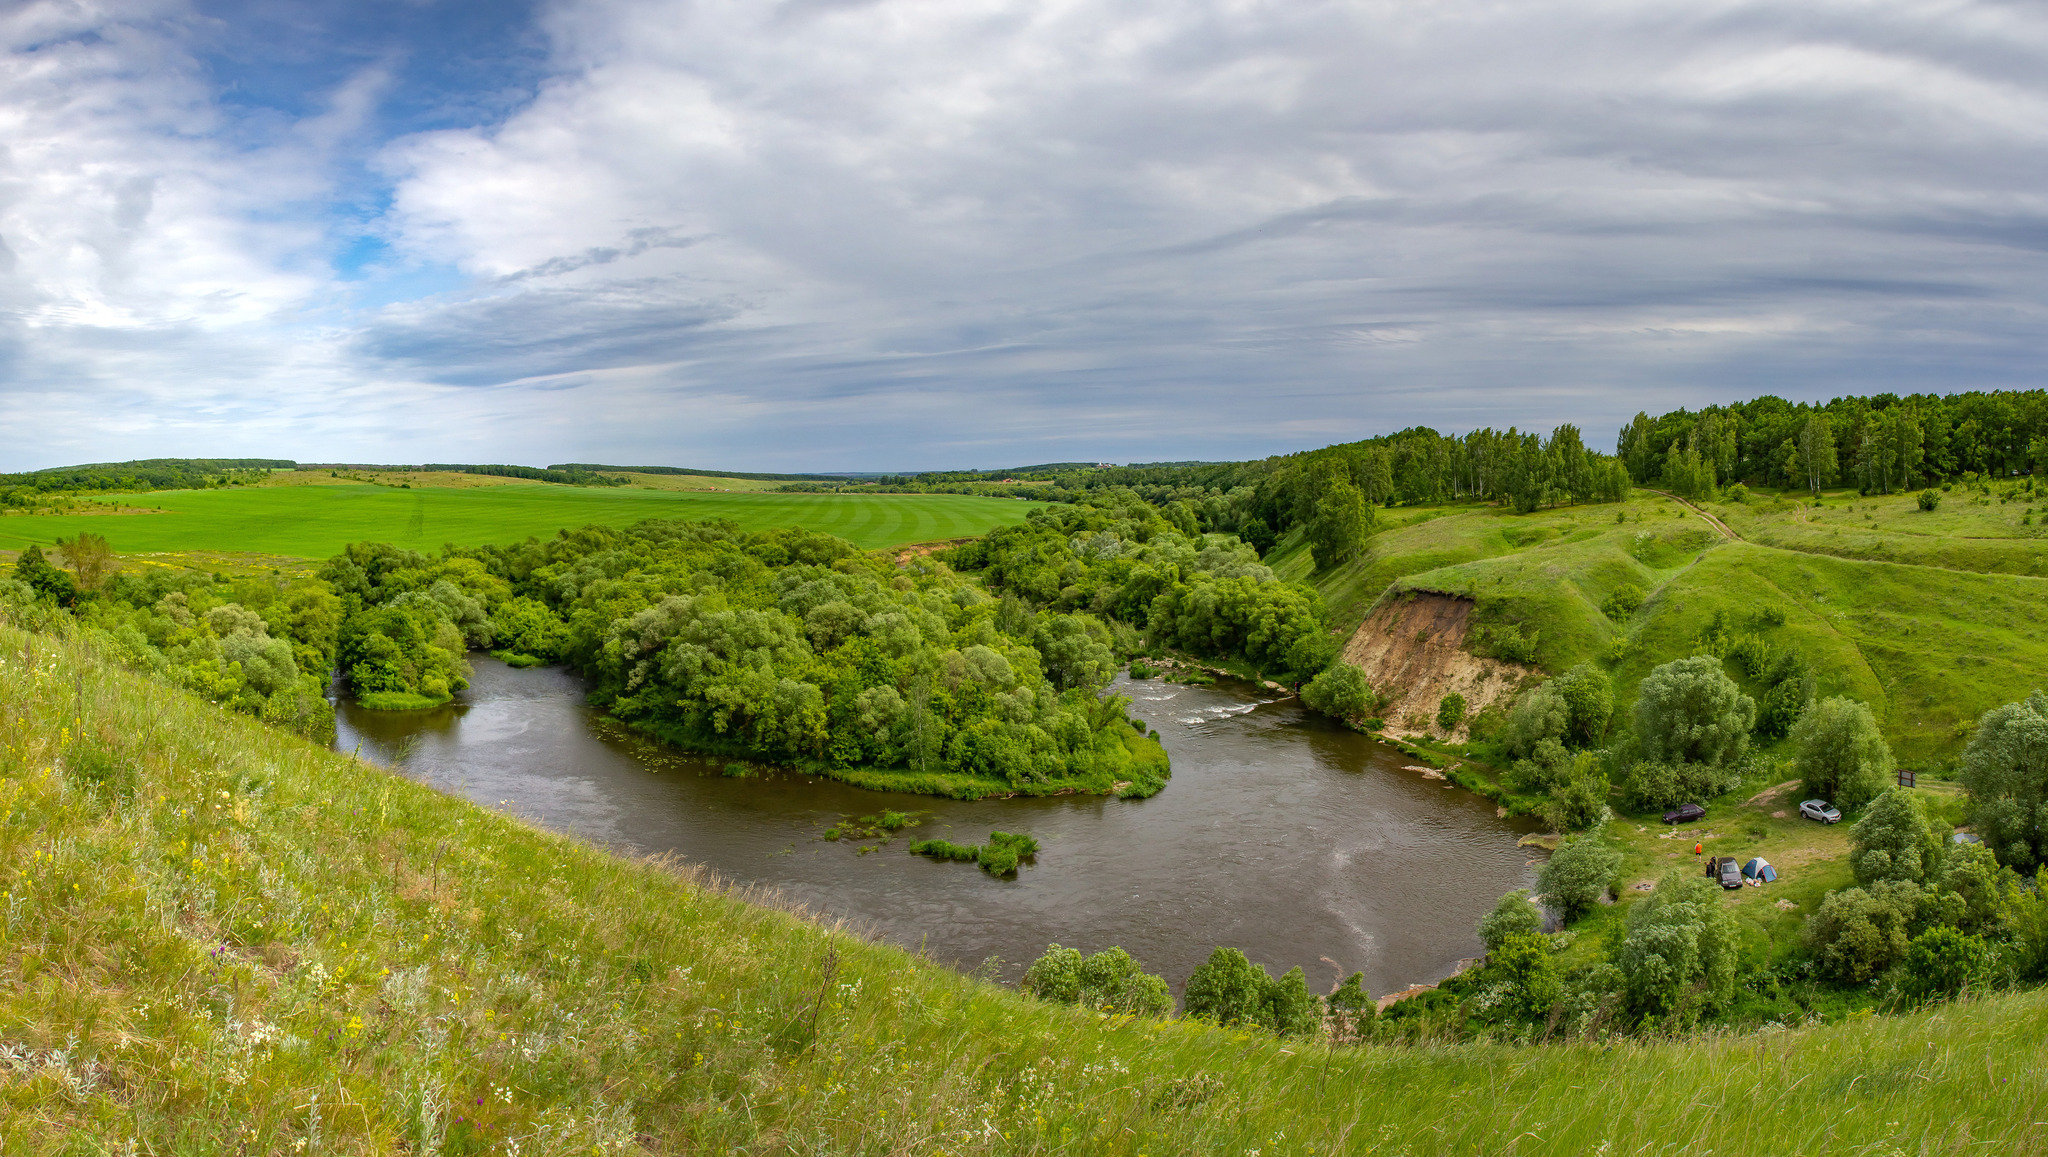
(1279, 833)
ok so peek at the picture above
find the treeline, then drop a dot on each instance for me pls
(687, 472)
(140, 476)
(785, 646)
(555, 474)
(1879, 444)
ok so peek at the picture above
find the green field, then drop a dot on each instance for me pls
(290, 951)
(316, 521)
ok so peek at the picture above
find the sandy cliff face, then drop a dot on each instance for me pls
(1412, 649)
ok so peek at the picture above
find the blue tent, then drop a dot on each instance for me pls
(1760, 870)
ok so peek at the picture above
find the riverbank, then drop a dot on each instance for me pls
(222, 938)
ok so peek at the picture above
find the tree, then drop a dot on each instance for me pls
(1589, 701)
(1893, 840)
(1351, 1009)
(1513, 915)
(1860, 932)
(1689, 711)
(1450, 711)
(1580, 801)
(1652, 785)
(91, 560)
(1577, 874)
(1340, 524)
(1540, 713)
(1817, 451)
(1291, 1009)
(1340, 691)
(1523, 963)
(2005, 770)
(1680, 947)
(45, 580)
(1969, 889)
(1840, 753)
(1228, 989)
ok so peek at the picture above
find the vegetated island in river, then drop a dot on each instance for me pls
(784, 646)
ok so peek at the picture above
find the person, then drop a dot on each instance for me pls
(1698, 848)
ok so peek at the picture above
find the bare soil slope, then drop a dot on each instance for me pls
(1412, 650)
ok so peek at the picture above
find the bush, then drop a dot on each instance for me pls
(1577, 874)
(1580, 801)
(1510, 644)
(1109, 981)
(1944, 961)
(1527, 973)
(1351, 1009)
(1930, 500)
(1689, 711)
(1589, 701)
(1840, 753)
(1541, 713)
(1512, 914)
(1626, 600)
(1681, 944)
(1340, 691)
(1450, 711)
(1860, 932)
(1893, 840)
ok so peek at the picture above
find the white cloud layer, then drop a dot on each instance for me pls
(920, 233)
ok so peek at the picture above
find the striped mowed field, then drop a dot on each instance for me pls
(316, 521)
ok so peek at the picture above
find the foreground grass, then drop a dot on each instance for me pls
(316, 521)
(226, 940)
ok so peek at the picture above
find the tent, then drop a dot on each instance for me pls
(1760, 870)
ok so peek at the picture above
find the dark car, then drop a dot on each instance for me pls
(1685, 813)
(1731, 873)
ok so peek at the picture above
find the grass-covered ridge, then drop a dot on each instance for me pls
(316, 521)
(232, 940)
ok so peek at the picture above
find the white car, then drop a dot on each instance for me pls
(1819, 809)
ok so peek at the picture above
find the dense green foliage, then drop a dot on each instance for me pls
(1340, 691)
(1680, 952)
(259, 645)
(1840, 754)
(140, 476)
(1894, 841)
(1514, 915)
(1228, 989)
(780, 645)
(1128, 563)
(1690, 711)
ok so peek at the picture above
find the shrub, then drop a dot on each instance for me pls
(1840, 753)
(1930, 499)
(1750, 654)
(1450, 711)
(1228, 989)
(1893, 840)
(1860, 932)
(1580, 801)
(1109, 981)
(1970, 888)
(1589, 701)
(1689, 711)
(1513, 915)
(1577, 874)
(1340, 691)
(946, 850)
(1523, 966)
(1626, 600)
(1681, 940)
(1351, 1009)
(1509, 643)
(1541, 713)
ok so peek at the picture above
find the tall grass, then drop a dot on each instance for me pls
(218, 938)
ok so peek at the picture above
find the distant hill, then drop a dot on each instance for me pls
(141, 474)
(696, 473)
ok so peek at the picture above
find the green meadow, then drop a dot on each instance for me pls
(219, 938)
(316, 521)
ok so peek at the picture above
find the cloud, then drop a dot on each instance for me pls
(907, 232)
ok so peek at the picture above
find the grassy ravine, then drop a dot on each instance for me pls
(238, 942)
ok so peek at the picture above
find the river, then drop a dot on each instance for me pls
(1280, 833)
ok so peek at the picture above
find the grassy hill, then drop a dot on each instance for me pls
(219, 938)
(1930, 648)
(315, 521)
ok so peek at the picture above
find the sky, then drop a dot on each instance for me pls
(928, 234)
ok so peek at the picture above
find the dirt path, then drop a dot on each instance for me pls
(1716, 523)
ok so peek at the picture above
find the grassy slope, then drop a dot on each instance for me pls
(1930, 648)
(1969, 532)
(269, 943)
(315, 521)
